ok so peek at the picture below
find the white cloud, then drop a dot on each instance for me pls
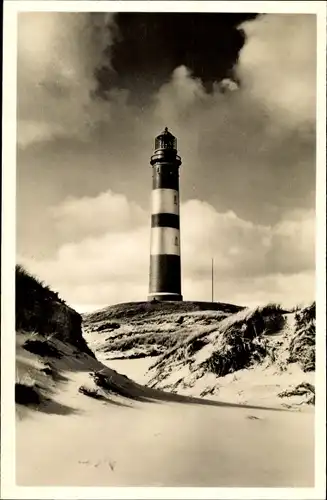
(278, 66)
(287, 290)
(57, 55)
(252, 262)
(75, 217)
(178, 99)
(243, 249)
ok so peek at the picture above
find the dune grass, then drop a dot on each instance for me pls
(138, 311)
(269, 336)
(91, 393)
(236, 342)
(34, 303)
(303, 389)
(41, 348)
(303, 344)
(242, 341)
(40, 311)
(151, 342)
(110, 385)
(154, 334)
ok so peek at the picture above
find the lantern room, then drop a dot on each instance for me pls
(165, 140)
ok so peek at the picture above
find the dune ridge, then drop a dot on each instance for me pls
(81, 423)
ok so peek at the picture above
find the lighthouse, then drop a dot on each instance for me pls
(165, 253)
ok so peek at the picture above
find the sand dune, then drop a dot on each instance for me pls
(152, 438)
(80, 423)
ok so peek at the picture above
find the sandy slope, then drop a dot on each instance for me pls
(182, 372)
(136, 369)
(258, 386)
(156, 440)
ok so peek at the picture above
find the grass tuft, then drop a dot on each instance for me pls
(34, 303)
(303, 389)
(91, 393)
(108, 384)
(41, 348)
(235, 342)
(40, 311)
(26, 394)
(107, 327)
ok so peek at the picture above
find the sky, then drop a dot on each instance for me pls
(238, 91)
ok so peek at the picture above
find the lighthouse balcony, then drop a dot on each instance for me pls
(163, 155)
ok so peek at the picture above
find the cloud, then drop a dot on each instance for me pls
(57, 55)
(277, 74)
(247, 179)
(242, 249)
(287, 290)
(75, 217)
(113, 266)
(178, 99)
(277, 66)
(243, 146)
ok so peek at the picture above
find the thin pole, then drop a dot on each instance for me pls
(212, 289)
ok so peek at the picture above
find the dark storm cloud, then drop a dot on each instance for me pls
(149, 46)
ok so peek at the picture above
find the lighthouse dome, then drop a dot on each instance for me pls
(165, 140)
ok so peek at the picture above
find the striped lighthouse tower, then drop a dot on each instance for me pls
(165, 259)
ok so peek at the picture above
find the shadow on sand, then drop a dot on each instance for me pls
(54, 408)
(112, 384)
(125, 387)
(120, 385)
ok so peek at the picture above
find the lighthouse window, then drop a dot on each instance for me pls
(176, 241)
(175, 199)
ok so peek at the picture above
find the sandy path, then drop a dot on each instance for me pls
(164, 444)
